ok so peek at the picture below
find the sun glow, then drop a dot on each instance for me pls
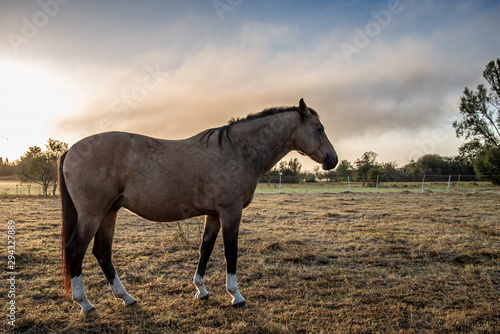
(31, 98)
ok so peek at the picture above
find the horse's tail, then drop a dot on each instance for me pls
(69, 219)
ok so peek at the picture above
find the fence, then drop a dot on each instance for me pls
(424, 183)
(16, 188)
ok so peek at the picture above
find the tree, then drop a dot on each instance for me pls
(55, 148)
(432, 164)
(7, 169)
(480, 123)
(459, 165)
(480, 112)
(412, 169)
(364, 164)
(376, 172)
(290, 168)
(320, 175)
(391, 171)
(488, 163)
(345, 169)
(41, 166)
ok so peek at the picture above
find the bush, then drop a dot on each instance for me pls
(487, 165)
(374, 172)
(311, 178)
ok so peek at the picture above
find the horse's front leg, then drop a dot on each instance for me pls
(230, 220)
(212, 227)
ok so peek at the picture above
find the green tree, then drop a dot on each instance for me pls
(391, 171)
(290, 168)
(364, 164)
(6, 168)
(41, 166)
(345, 169)
(487, 163)
(375, 172)
(322, 175)
(412, 169)
(480, 111)
(480, 123)
(459, 165)
(432, 164)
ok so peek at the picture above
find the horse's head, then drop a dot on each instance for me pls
(311, 140)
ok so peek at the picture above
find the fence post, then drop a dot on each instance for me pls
(423, 179)
(449, 179)
(458, 182)
(376, 186)
(349, 182)
(280, 183)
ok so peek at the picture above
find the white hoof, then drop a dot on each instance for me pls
(202, 293)
(89, 312)
(204, 296)
(241, 305)
(130, 303)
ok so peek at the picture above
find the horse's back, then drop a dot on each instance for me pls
(157, 179)
(161, 180)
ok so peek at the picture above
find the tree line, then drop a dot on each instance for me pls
(367, 170)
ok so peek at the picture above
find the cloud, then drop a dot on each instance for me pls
(404, 81)
(391, 88)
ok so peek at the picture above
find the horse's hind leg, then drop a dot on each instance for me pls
(212, 227)
(102, 251)
(76, 249)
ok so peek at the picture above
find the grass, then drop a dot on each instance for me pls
(338, 187)
(394, 262)
(11, 186)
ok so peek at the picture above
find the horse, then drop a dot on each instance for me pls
(214, 173)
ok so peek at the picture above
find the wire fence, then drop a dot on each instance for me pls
(306, 184)
(13, 188)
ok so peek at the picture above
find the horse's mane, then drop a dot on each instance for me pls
(250, 117)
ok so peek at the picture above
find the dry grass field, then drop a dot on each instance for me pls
(395, 262)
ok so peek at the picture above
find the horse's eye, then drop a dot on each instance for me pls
(321, 130)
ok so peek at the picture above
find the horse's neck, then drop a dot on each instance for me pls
(266, 141)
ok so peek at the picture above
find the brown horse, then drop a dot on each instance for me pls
(213, 173)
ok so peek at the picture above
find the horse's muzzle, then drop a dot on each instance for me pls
(330, 161)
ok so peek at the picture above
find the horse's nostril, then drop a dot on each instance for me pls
(330, 162)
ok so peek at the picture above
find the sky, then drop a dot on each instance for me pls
(384, 76)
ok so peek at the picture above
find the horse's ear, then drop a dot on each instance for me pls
(303, 109)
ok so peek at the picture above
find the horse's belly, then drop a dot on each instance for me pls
(166, 210)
